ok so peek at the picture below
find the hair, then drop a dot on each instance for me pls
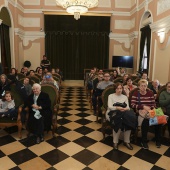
(118, 84)
(142, 81)
(14, 69)
(129, 78)
(36, 85)
(167, 83)
(27, 78)
(4, 76)
(7, 92)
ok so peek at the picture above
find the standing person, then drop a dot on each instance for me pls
(117, 115)
(143, 101)
(40, 114)
(7, 105)
(45, 63)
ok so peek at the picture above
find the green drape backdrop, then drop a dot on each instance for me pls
(75, 45)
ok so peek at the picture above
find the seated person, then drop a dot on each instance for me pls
(7, 105)
(164, 101)
(155, 87)
(4, 85)
(121, 71)
(143, 101)
(40, 114)
(31, 73)
(125, 77)
(118, 111)
(90, 78)
(129, 86)
(144, 76)
(12, 75)
(114, 75)
(100, 88)
(48, 79)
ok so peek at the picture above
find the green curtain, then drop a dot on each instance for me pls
(73, 45)
(5, 47)
(74, 51)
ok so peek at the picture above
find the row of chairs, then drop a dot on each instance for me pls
(110, 90)
(54, 96)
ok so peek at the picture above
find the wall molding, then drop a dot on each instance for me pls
(27, 36)
(161, 25)
(126, 39)
(163, 5)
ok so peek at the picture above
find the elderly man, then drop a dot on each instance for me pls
(40, 114)
(155, 87)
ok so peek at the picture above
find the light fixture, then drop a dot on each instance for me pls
(77, 7)
(161, 36)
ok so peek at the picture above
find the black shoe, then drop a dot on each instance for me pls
(144, 145)
(115, 146)
(158, 144)
(128, 145)
(38, 140)
(42, 139)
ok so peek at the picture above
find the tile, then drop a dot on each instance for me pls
(86, 157)
(96, 135)
(138, 164)
(11, 129)
(71, 148)
(156, 168)
(85, 141)
(163, 162)
(15, 135)
(117, 156)
(58, 141)
(83, 121)
(91, 117)
(22, 156)
(41, 148)
(87, 168)
(147, 155)
(65, 109)
(94, 125)
(82, 109)
(6, 163)
(167, 153)
(53, 157)
(83, 114)
(100, 148)
(104, 164)
(122, 168)
(72, 125)
(69, 164)
(73, 117)
(12, 147)
(2, 154)
(36, 163)
(63, 121)
(3, 132)
(60, 130)
(72, 135)
(6, 139)
(15, 168)
(84, 130)
(73, 111)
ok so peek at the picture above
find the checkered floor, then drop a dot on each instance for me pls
(78, 144)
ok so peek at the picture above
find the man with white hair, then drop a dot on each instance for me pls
(155, 87)
(40, 114)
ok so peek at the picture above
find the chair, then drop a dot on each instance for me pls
(20, 76)
(136, 81)
(7, 122)
(35, 79)
(105, 123)
(118, 80)
(58, 76)
(53, 94)
(39, 76)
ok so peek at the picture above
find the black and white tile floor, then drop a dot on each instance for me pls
(78, 145)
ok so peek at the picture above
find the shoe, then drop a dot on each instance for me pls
(128, 145)
(144, 145)
(42, 139)
(115, 146)
(38, 140)
(158, 144)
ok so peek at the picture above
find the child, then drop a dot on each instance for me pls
(7, 105)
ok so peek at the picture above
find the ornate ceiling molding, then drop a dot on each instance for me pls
(27, 36)
(161, 25)
(162, 6)
(126, 39)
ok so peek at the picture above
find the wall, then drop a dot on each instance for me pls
(126, 18)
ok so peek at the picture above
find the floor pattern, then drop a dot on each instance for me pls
(78, 144)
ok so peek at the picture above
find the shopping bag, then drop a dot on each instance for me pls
(157, 120)
(159, 112)
(152, 113)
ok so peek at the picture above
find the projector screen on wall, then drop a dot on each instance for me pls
(122, 61)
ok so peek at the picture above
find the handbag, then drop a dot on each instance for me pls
(157, 120)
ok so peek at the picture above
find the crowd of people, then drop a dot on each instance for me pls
(142, 101)
(37, 102)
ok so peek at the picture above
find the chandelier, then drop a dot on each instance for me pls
(77, 7)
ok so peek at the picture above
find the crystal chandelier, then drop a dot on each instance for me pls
(77, 7)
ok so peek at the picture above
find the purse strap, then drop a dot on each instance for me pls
(139, 98)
